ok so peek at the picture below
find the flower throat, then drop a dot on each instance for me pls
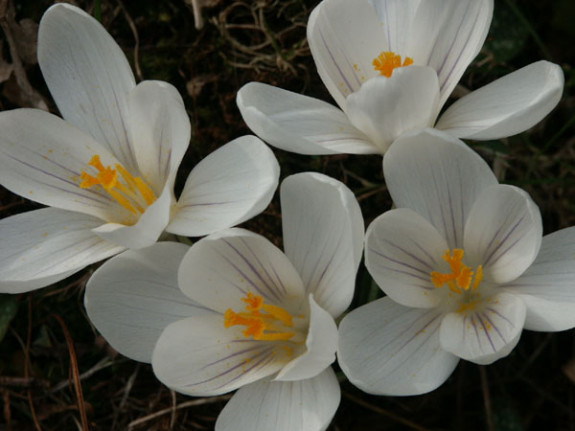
(133, 193)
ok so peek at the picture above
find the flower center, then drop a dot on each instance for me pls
(385, 62)
(132, 193)
(461, 278)
(263, 321)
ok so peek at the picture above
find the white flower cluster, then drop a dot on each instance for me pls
(461, 258)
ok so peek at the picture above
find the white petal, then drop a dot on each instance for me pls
(447, 35)
(437, 176)
(548, 285)
(398, 18)
(388, 349)
(231, 185)
(486, 333)
(402, 249)
(298, 123)
(305, 405)
(503, 233)
(199, 356)
(42, 158)
(507, 106)
(384, 108)
(159, 130)
(47, 245)
(345, 37)
(220, 269)
(88, 76)
(321, 344)
(323, 237)
(133, 297)
(147, 230)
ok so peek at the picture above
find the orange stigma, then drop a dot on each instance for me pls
(133, 193)
(461, 276)
(387, 61)
(263, 321)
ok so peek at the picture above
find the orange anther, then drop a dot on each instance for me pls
(387, 61)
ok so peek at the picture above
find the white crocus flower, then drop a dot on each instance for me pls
(390, 65)
(464, 268)
(108, 168)
(245, 315)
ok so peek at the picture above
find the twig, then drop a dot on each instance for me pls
(197, 9)
(173, 414)
(27, 365)
(486, 399)
(103, 363)
(31, 95)
(136, 39)
(75, 373)
(22, 382)
(384, 412)
(7, 411)
(127, 390)
(185, 405)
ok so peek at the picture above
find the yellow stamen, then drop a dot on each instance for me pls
(461, 277)
(263, 321)
(387, 61)
(133, 193)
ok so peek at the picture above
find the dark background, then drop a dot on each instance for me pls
(532, 389)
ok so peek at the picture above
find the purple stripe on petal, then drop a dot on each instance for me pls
(422, 275)
(440, 70)
(503, 241)
(498, 314)
(486, 317)
(487, 334)
(245, 276)
(265, 355)
(262, 266)
(259, 364)
(255, 272)
(239, 352)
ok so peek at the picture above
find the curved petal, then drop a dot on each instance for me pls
(447, 35)
(437, 176)
(298, 123)
(548, 285)
(44, 246)
(88, 76)
(320, 343)
(147, 230)
(220, 269)
(231, 185)
(486, 333)
(503, 233)
(402, 249)
(323, 237)
(159, 129)
(200, 356)
(388, 349)
(44, 162)
(398, 18)
(384, 108)
(133, 297)
(345, 37)
(305, 405)
(507, 106)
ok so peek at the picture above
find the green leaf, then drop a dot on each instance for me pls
(507, 36)
(8, 309)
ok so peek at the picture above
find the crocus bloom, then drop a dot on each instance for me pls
(108, 169)
(390, 65)
(464, 268)
(245, 315)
